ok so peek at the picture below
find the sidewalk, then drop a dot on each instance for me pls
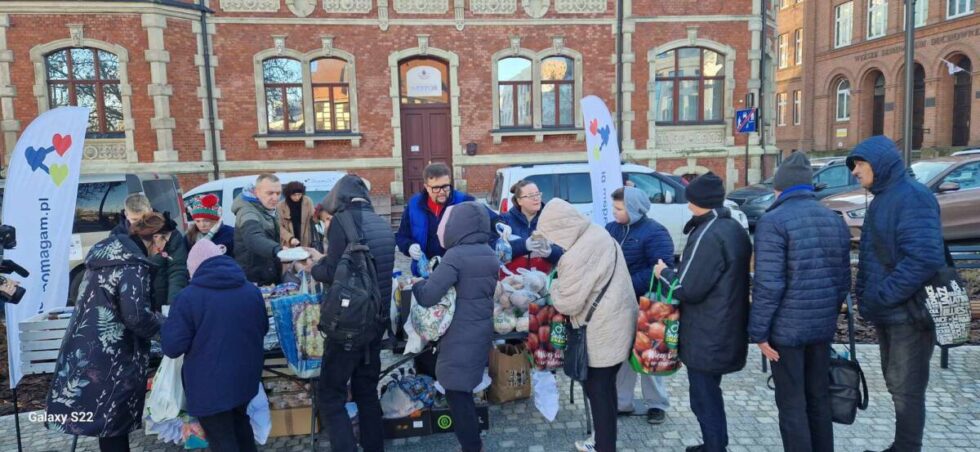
(953, 424)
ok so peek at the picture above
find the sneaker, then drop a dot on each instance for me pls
(587, 445)
(656, 416)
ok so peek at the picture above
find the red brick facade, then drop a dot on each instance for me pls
(167, 128)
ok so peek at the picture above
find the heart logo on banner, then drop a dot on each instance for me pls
(35, 157)
(61, 143)
(594, 127)
(59, 173)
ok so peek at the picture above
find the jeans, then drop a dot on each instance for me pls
(600, 388)
(905, 354)
(229, 431)
(465, 420)
(654, 390)
(708, 405)
(361, 368)
(802, 379)
(114, 444)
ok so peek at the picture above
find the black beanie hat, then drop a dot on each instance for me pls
(707, 191)
(795, 170)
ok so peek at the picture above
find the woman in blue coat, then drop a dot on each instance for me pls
(522, 219)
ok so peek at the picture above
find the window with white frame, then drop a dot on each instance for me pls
(799, 46)
(843, 100)
(783, 51)
(843, 23)
(921, 13)
(957, 8)
(797, 105)
(781, 109)
(877, 18)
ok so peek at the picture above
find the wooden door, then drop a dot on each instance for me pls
(426, 138)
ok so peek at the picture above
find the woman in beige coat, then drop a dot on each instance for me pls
(591, 255)
(295, 214)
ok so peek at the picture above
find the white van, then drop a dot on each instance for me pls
(318, 185)
(572, 182)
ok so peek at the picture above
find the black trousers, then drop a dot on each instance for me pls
(361, 368)
(905, 354)
(465, 420)
(708, 405)
(229, 431)
(600, 388)
(114, 444)
(802, 379)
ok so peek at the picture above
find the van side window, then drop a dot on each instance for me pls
(99, 206)
(545, 183)
(577, 188)
(654, 187)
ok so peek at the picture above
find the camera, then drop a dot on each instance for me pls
(10, 291)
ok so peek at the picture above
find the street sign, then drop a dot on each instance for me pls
(745, 120)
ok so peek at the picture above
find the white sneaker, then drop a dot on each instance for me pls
(587, 445)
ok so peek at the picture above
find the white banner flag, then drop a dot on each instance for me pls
(602, 147)
(39, 201)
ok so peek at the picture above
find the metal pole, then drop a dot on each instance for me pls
(209, 90)
(619, 75)
(762, 89)
(17, 419)
(909, 75)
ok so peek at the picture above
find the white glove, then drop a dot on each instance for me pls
(415, 251)
(538, 248)
(504, 231)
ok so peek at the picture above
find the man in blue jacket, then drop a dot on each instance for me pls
(644, 242)
(901, 249)
(416, 235)
(802, 274)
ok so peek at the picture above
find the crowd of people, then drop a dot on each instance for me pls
(801, 256)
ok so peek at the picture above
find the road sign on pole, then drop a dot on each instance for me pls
(745, 120)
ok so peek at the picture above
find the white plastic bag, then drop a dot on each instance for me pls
(167, 395)
(545, 393)
(396, 403)
(259, 416)
(413, 343)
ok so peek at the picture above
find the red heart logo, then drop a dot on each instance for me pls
(594, 127)
(61, 143)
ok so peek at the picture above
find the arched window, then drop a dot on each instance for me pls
(557, 92)
(843, 100)
(331, 95)
(87, 77)
(690, 86)
(514, 90)
(283, 94)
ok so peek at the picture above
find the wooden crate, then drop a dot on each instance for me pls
(40, 342)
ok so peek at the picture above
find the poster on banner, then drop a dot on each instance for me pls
(39, 201)
(602, 148)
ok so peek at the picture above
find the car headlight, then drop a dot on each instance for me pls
(857, 214)
(763, 199)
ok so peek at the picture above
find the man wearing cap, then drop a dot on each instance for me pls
(901, 249)
(712, 286)
(802, 275)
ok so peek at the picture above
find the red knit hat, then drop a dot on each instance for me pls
(205, 207)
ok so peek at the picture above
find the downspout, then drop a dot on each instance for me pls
(209, 89)
(762, 90)
(619, 74)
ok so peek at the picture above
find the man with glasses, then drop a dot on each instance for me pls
(416, 235)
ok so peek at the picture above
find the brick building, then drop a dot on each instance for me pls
(382, 87)
(845, 81)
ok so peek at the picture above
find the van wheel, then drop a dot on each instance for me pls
(73, 285)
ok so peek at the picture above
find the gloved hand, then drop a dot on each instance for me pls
(538, 248)
(504, 230)
(415, 251)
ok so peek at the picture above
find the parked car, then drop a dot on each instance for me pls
(954, 180)
(830, 180)
(965, 152)
(99, 208)
(318, 185)
(571, 182)
(821, 162)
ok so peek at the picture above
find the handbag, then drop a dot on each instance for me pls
(848, 387)
(576, 348)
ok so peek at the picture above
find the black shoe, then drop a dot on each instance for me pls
(889, 449)
(697, 448)
(656, 416)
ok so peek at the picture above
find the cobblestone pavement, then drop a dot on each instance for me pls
(953, 422)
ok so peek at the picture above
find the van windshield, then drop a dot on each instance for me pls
(163, 196)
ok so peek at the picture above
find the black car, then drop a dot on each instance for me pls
(754, 200)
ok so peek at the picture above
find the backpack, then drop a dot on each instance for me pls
(351, 315)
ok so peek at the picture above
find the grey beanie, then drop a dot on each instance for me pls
(795, 170)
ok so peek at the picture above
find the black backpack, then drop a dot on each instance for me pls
(351, 314)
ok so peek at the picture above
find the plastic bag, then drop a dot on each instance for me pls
(395, 402)
(432, 322)
(393, 307)
(297, 318)
(545, 389)
(521, 299)
(166, 398)
(505, 252)
(534, 280)
(505, 322)
(655, 347)
(422, 267)
(413, 343)
(259, 416)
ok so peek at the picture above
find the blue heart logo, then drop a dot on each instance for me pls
(35, 157)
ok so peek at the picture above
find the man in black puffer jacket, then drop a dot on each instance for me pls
(361, 367)
(712, 285)
(802, 275)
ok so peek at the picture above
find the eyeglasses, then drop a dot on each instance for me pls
(531, 196)
(441, 188)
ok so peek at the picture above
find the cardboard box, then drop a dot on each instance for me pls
(291, 422)
(407, 427)
(442, 419)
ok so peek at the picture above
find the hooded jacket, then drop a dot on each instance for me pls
(587, 265)
(901, 240)
(802, 272)
(471, 266)
(350, 196)
(256, 241)
(712, 285)
(105, 356)
(644, 240)
(218, 323)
